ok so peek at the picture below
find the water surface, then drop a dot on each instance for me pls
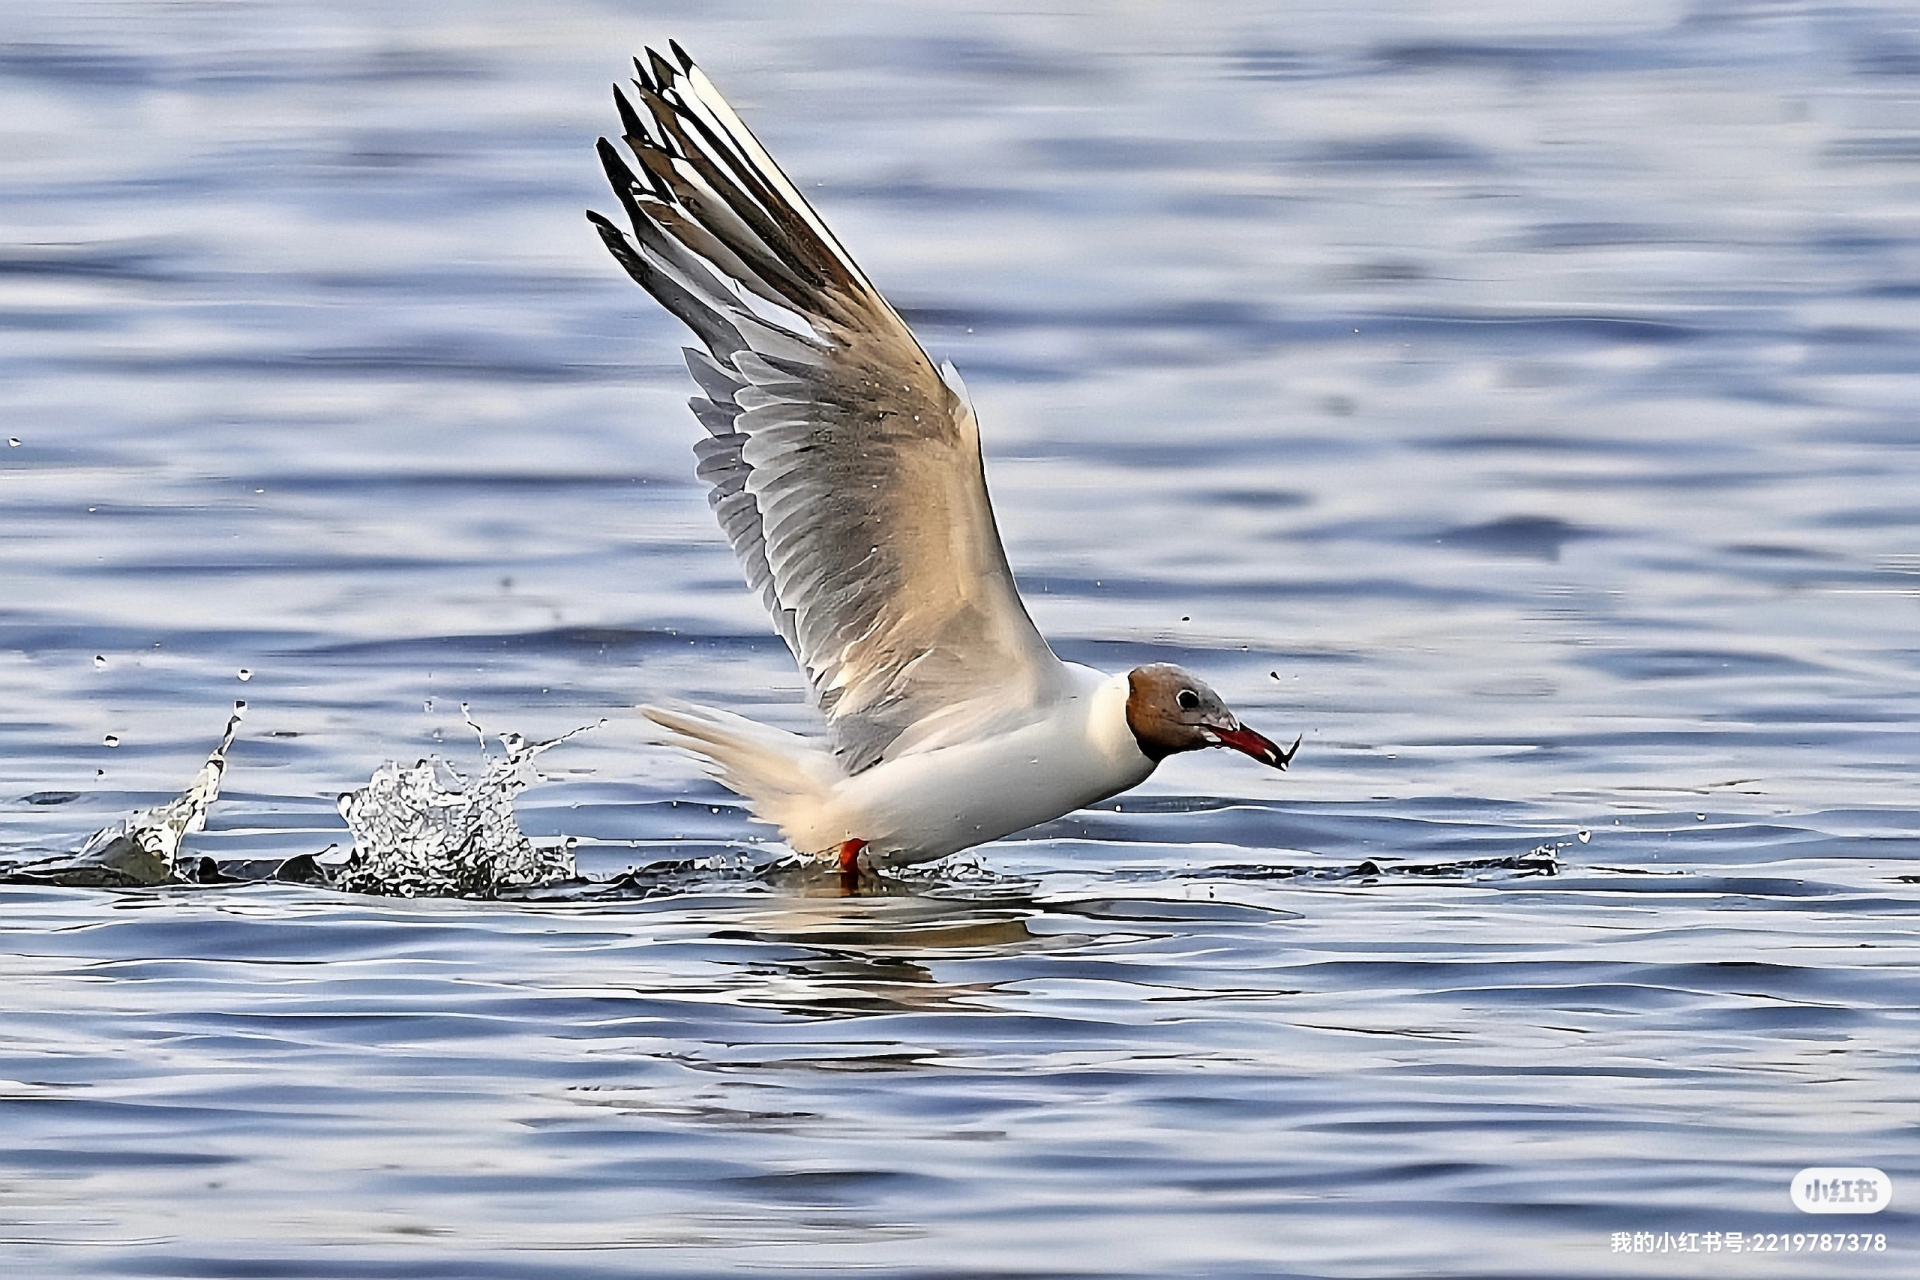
(1517, 403)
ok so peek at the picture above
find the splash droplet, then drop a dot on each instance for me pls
(13, 442)
(1699, 817)
(112, 739)
(99, 660)
(1585, 836)
(245, 674)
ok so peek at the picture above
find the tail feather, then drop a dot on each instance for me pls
(783, 777)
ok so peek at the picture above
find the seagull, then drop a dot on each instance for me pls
(846, 473)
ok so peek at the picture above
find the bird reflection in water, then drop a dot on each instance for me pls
(872, 954)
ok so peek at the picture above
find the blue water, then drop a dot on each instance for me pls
(1519, 403)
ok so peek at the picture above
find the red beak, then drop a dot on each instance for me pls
(1257, 745)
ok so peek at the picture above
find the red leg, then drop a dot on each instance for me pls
(850, 856)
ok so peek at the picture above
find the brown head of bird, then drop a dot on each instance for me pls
(1170, 709)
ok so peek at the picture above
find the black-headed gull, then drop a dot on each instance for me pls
(846, 473)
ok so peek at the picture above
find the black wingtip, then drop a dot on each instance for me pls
(619, 173)
(1286, 757)
(630, 123)
(663, 72)
(640, 74)
(616, 241)
(686, 63)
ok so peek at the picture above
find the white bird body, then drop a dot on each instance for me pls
(928, 803)
(847, 476)
(933, 800)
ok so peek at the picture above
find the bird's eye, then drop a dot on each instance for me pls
(1188, 700)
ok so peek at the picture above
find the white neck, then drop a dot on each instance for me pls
(1107, 727)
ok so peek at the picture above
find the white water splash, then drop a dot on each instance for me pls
(425, 830)
(143, 848)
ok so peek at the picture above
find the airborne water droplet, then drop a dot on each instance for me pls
(13, 442)
(245, 674)
(1699, 817)
(1585, 836)
(112, 739)
(99, 660)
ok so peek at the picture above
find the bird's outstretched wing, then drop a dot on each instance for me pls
(845, 468)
